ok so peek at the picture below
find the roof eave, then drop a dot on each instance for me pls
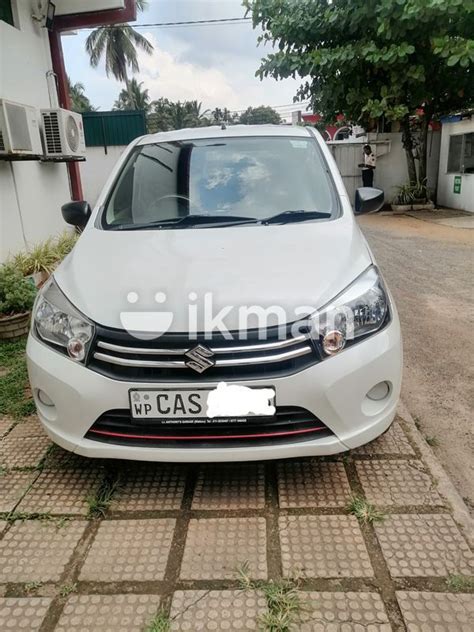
(93, 19)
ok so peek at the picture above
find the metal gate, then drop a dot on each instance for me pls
(348, 155)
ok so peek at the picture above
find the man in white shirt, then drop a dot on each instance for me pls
(368, 167)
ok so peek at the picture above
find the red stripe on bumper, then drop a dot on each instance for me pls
(204, 437)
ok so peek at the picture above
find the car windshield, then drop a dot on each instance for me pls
(227, 180)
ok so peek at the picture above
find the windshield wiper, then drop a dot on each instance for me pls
(223, 220)
(188, 221)
(294, 216)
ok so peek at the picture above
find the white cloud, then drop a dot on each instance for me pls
(212, 64)
(166, 76)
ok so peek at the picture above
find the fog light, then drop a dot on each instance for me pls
(333, 341)
(44, 399)
(379, 391)
(76, 349)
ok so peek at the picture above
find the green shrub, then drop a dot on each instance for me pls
(17, 294)
(15, 398)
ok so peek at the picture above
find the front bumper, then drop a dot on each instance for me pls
(333, 390)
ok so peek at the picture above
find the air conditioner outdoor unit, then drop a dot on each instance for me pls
(19, 129)
(63, 133)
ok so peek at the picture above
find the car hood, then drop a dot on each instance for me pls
(115, 276)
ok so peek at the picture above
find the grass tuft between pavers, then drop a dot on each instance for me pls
(67, 589)
(15, 401)
(284, 605)
(31, 587)
(99, 501)
(364, 511)
(160, 623)
(460, 583)
(45, 517)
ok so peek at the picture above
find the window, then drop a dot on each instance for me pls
(468, 153)
(461, 153)
(6, 13)
(254, 177)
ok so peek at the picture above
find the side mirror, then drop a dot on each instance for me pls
(368, 200)
(76, 213)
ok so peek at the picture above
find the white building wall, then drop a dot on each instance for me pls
(463, 201)
(31, 193)
(97, 168)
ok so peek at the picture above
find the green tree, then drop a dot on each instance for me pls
(79, 101)
(260, 115)
(167, 115)
(159, 118)
(373, 58)
(119, 44)
(135, 98)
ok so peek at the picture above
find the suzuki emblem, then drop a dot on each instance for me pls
(200, 359)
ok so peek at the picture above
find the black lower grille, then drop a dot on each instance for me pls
(289, 424)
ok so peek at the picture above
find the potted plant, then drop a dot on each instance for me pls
(17, 295)
(403, 200)
(41, 259)
(37, 263)
(412, 197)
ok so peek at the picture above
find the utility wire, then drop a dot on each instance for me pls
(289, 106)
(228, 21)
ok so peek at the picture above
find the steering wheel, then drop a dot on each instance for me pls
(157, 204)
(171, 195)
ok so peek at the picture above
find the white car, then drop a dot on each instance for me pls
(221, 304)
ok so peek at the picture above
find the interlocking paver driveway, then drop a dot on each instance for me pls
(37, 550)
(13, 486)
(17, 613)
(107, 613)
(169, 543)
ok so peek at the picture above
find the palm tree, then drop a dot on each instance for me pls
(79, 101)
(135, 98)
(218, 115)
(179, 115)
(186, 114)
(119, 43)
(195, 114)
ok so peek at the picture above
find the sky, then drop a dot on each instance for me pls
(214, 64)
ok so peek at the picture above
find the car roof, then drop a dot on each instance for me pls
(230, 131)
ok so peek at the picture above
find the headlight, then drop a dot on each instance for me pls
(60, 324)
(361, 309)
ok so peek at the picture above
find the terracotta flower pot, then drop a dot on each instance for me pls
(14, 327)
(39, 278)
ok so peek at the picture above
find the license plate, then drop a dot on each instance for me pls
(191, 405)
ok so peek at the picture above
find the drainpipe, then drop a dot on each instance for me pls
(64, 102)
(51, 80)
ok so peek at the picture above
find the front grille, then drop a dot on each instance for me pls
(290, 424)
(117, 354)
